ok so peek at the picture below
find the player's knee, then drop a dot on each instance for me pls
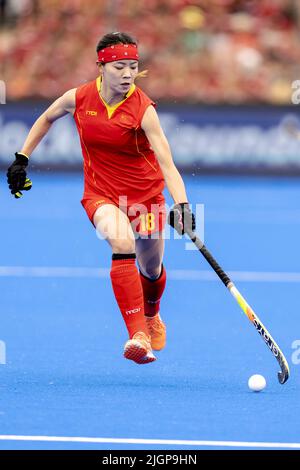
(151, 272)
(123, 246)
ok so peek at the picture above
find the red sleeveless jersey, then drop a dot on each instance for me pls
(118, 159)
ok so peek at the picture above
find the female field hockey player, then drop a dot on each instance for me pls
(127, 161)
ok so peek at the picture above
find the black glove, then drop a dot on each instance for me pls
(181, 218)
(16, 175)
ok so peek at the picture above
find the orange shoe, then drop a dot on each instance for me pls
(157, 331)
(138, 349)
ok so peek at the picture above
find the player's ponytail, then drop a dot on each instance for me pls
(142, 74)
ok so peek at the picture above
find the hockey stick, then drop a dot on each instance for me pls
(283, 375)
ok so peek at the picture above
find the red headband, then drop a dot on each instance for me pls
(118, 52)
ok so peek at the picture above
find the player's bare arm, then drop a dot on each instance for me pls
(62, 106)
(158, 141)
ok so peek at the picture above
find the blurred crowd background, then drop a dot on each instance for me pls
(205, 51)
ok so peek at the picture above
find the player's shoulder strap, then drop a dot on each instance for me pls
(143, 97)
(143, 102)
(86, 92)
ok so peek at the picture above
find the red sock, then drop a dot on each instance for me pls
(128, 291)
(153, 291)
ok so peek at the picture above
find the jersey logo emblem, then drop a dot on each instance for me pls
(91, 113)
(125, 118)
(99, 202)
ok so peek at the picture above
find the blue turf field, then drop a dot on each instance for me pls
(65, 375)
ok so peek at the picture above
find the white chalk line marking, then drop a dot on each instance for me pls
(175, 442)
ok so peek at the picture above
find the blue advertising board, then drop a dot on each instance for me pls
(202, 138)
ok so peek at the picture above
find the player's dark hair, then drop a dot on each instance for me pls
(110, 39)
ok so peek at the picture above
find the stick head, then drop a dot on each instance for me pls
(283, 375)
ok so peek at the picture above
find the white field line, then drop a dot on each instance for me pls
(173, 274)
(163, 442)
